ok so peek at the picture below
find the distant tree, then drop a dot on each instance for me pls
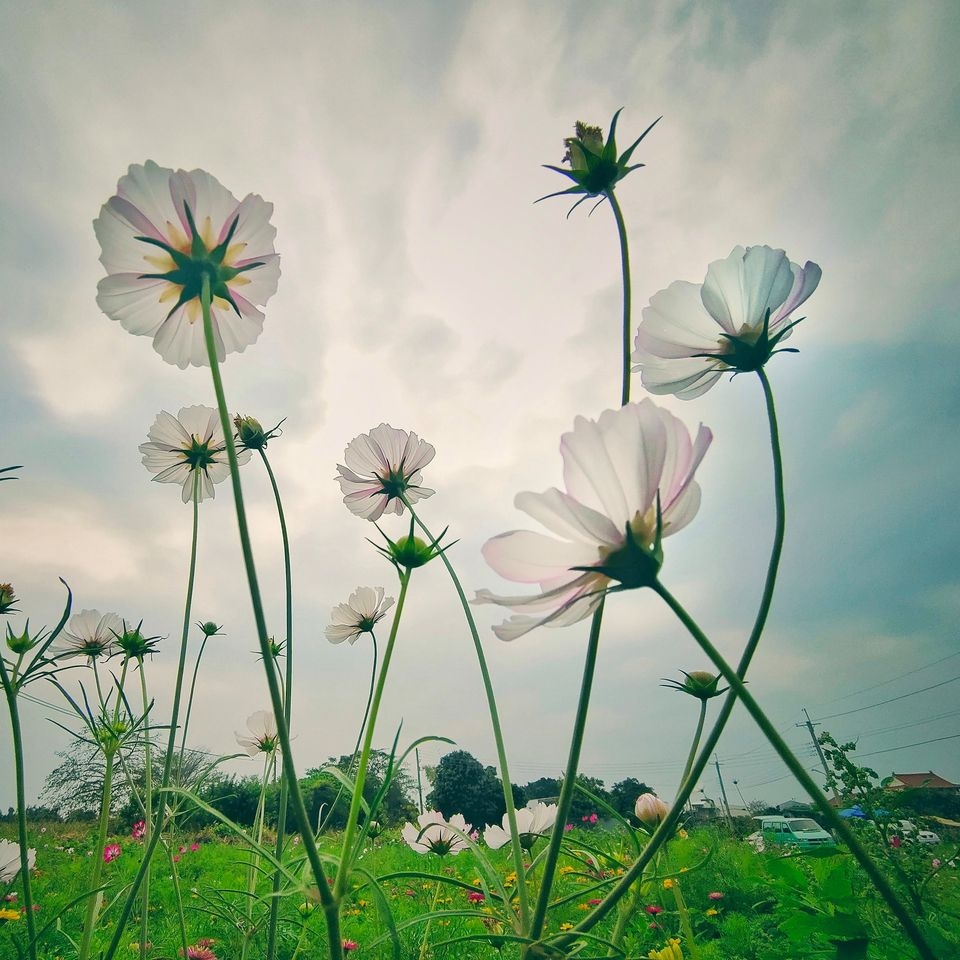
(464, 785)
(546, 788)
(624, 793)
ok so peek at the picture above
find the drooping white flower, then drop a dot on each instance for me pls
(616, 470)
(159, 235)
(534, 820)
(366, 606)
(187, 449)
(650, 809)
(90, 634)
(434, 834)
(10, 860)
(263, 728)
(691, 334)
(380, 466)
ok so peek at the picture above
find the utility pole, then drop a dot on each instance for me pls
(723, 794)
(823, 760)
(416, 753)
(736, 783)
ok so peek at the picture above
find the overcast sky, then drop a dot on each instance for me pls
(401, 145)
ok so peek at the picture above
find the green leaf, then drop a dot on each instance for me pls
(786, 870)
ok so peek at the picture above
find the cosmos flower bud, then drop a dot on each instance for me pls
(208, 628)
(21, 642)
(8, 598)
(251, 435)
(699, 683)
(650, 809)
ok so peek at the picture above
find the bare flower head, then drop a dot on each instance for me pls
(350, 620)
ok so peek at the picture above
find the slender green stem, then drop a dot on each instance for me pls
(254, 866)
(516, 849)
(287, 707)
(156, 828)
(10, 689)
(96, 898)
(696, 741)
(797, 769)
(685, 924)
(177, 895)
(570, 774)
(346, 858)
(425, 941)
(329, 904)
(625, 272)
(189, 710)
(147, 809)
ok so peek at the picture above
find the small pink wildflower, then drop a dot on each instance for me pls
(138, 830)
(596, 901)
(653, 909)
(475, 896)
(715, 895)
(183, 849)
(10, 897)
(568, 827)
(895, 842)
(194, 847)
(110, 852)
(176, 858)
(199, 951)
(936, 863)
(349, 945)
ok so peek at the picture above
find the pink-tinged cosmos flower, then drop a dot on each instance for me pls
(629, 482)
(691, 334)
(381, 466)
(138, 830)
(199, 951)
(650, 809)
(110, 852)
(535, 820)
(936, 863)
(159, 236)
(349, 946)
(89, 634)
(896, 842)
(10, 861)
(189, 449)
(434, 834)
(653, 909)
(359, 615)
(194, 847)
(475, 896)
(715, 895)
(262, 724)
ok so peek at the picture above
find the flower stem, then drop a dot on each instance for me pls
(186, 718)
(798, 770)
(287, 707)
(625, 271)
(11, 689)
(516, 849)
(330, 908)
(156, 828)
(696, 741)
(96, 895)
(147, 809)
(570, 774)
(343, 874)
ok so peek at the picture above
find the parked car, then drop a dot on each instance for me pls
(800, 832)
(908, 830)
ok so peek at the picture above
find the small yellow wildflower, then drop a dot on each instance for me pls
(668, 884)
(6, 915)
(682, 834)
(566, 868)
(510, 879)
(711, 912)
(670, 952)
(684, 869)
(566, 925)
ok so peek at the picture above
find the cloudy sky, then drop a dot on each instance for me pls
(401, 145)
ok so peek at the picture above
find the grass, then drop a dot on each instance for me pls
(742, 924)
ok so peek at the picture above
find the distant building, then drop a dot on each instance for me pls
(794, 807)
(923, 781)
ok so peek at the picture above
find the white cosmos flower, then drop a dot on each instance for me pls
(380, 466)
(160, 233)
(263, 728)
(366, 606)
(534, 820)
(189, 448)
(691, 334)
(614, 470)
(90, 634)
(10, 860)
(434, 834)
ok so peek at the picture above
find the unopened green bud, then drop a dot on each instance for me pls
(21, 643)
(250, 433)
(208, 628)
(8, 598)
(134, 644)
(411, 552)
(699, 683)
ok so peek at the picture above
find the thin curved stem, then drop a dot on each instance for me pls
(798, 770)
(327, 901)
(147, 809)
(287, 706)
(186, 718)
(156, 828)
(696, 741)
(516, 849)
(349, 832)
(10, 689)
(570, 774)
(625, 272)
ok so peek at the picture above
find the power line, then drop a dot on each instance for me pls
(919, 743)
(899, 676)
(903, 696)
(906, 726)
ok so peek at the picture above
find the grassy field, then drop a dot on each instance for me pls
(740, 905)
